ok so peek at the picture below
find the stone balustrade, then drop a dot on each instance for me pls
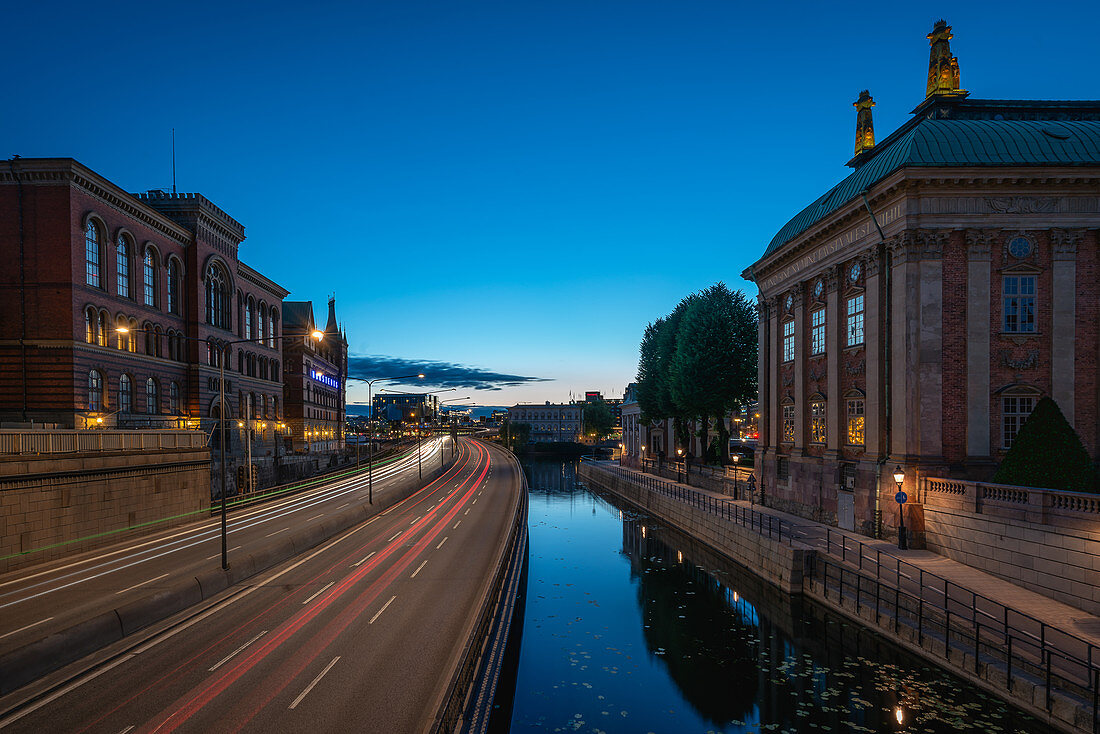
(22, 442)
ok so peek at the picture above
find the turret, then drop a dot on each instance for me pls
(865, 128)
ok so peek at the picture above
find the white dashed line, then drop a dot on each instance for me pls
(422, 565)
(437, 548)
(467, 510)
(276, 532)
(395, 535)
(415, 521)
(143, 583)
(35, 624)
(379, 612)
(315, 517)
(456, 525)
(364, 560)
(316, 680)
(229, 657)
(318, 592)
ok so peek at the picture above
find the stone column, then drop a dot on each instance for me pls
(930, 345)
(774, 416)
(801, 349)
(977, 343)
(903, 282)
(874, 324)
(834, 401)
(1064, 318)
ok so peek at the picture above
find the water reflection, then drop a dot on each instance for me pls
(631, 626)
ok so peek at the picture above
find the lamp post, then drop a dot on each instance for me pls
(642, 455)
(620, 454)
(899, 478)
(370, 425)
(419, 421)
(679, 464)
(736, 461)
(223, 357)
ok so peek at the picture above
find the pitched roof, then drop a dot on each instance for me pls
(297, 315)
(945, 143)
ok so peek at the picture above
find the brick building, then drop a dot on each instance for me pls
(915, 312)
(315, 380)
(85, 258)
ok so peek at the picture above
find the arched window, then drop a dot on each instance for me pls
(122, 265)
(92, 242)
(248, 308)
(156, 341)
(174, 288)
(173, 398)
(132, 343)
(147, 332)
(95, 390)
(275, 371)
(123, 337)
(125, 394)
(217, 297)
(261, 320)
(152, 397)
(101, 331)
(274, 407)
(91, 319)
(149, 276)
(271, 327)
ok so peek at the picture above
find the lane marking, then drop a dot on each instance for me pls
(32, 624)
(468, 510)
(442, 542)
(316, 680)
(395, 535)
(343, 506)
(415, 521)
(455, 527)
(318, 593)
(276, 532)
(363, 560)
(379, 612)
(230, 656)
(143, 583)
(210, 558)
(315, 517)
(473, 503)
(422, 565)
(129, 728)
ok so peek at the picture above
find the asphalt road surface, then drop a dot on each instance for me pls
(360, 634)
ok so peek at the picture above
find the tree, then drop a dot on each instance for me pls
(598, 419)
(515, 434)
(714, 364)
(1047, 453)
(648, 381)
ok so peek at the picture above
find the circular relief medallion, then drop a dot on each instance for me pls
(1019, 247)
(789, 302)
(819, 288)
(853, 274)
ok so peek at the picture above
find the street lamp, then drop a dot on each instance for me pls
(370, 425)
(223, 358)
(736, 460)
(679, 464)
(899, 478)
(621, 454)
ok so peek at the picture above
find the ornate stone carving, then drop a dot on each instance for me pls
(1006, 241)
(787, 380)
(856, 369)
(979, 243)
(918, 244)
(831, 276)
(817, 373)
(931, 243)
(943, 68)
(865, 128)
(1064, 242)
(1022, 204)
(872, 262)
(1028, 362)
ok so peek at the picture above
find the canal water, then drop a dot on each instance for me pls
(630, 626)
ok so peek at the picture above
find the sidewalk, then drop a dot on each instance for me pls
(826, 539)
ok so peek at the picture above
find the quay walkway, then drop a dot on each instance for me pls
(1044, 654)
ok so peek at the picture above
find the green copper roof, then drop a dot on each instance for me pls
(940, 143)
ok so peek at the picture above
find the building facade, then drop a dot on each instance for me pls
(550, 422)
(913, 315)
(115, 308)
(314, 380)
(412, 407)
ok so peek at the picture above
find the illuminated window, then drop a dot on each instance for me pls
(122, 263)
(855, 320)
(248, 319)
(817, 421)
(788, 341)
(90, 321)
(95, 390)
(817, 331)
(1014, 411)
(149, 277)
(788, 423)
(856, 431)
(1018, 297)
(271, 328)
(125, 394)
(261, 323)
(101, 332)
(91, 253)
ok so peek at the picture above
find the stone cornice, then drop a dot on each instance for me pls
(261, 281)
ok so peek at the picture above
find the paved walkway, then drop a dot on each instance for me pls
(827, 539)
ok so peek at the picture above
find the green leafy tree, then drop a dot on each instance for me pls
(598, 419)
(515, 434)
(714, 364)
(1047, 453)
(648, 382)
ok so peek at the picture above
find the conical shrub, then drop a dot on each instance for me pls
(1047, 453)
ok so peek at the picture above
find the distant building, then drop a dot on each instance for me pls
(915, 313)
(315, 379)
(84, 259)
(411, 407)
(550, 422)
(633, 437)
(613, 404)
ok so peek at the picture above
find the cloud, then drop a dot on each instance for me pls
(437, 374)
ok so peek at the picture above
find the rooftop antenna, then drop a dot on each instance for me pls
(173, 160)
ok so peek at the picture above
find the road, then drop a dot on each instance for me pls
(360, 634)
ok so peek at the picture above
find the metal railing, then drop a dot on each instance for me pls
(967, 623)
(762, 523)
(72, 441)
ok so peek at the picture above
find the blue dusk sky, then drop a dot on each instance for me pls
(507, 191)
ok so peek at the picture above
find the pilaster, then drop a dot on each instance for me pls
(978, 273)
(832, 362)
(874, 326)
(801, 349)
(1064, 317)
(774, 415)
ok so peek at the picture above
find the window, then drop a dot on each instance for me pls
(125, 394)
(91, 253)
(152, 397)
(122, 337)
(855, 320)
(122, 263)
(817, 331)
(274, 407)
(1014, 411)
(1019, 303)
(101, 332)
(783, 468)
(95, 390)
(173, 398)
(817, 421)
(788, 423)
(788, 341)
(217, 298)
(856, 434)
(149, 277)
(90, 322)
(261, 318)
(271, 328)
(173, 286)
(248, 318)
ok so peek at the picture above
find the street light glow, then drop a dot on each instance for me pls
(318, 335)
